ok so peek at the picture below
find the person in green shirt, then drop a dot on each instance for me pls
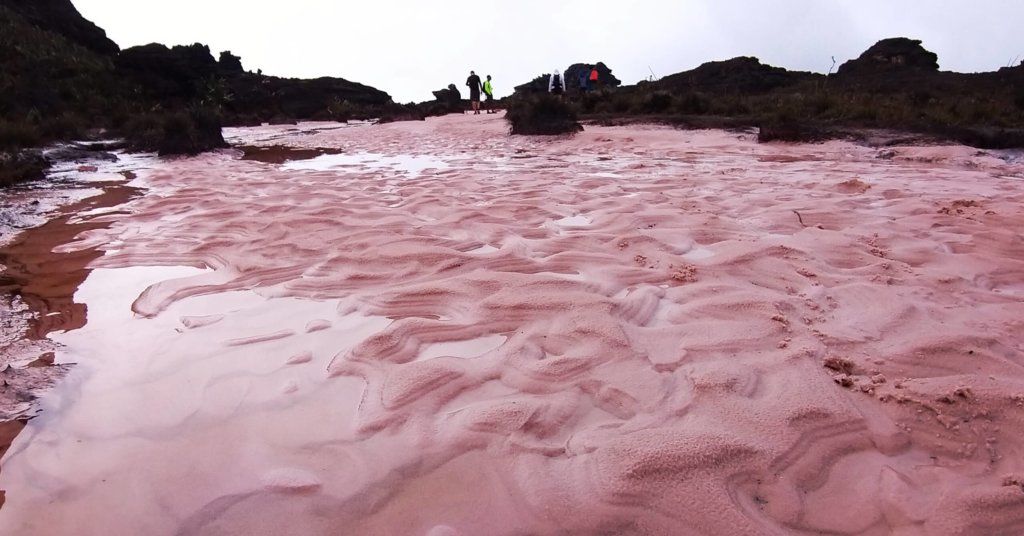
(489, 93)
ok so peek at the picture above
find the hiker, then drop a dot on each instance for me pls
(474, 91)
(556, 86)
(593, 78)
(584, 80)
(489, 93)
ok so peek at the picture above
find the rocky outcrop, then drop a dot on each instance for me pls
(572, 75)
(61, 18)
(320, 98)
(229, 63)
(169, 73)
(449, 95)
(537, 85)
(190, 74)
(895, 54)
(45, 76)
(605, 78)
(62, 77)
(744, 75)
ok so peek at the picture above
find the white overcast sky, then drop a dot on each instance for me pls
(410, 47)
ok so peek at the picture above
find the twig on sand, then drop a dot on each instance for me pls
(800, 218)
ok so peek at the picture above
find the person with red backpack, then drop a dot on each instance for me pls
(593, 78)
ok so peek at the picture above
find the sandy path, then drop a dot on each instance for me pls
(444, 330)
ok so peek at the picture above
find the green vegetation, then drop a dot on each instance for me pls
(49, 86)
(810, 112)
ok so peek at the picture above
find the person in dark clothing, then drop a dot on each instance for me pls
(474, 91)
(584, 81)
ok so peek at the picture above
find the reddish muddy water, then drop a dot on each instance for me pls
(432, 328)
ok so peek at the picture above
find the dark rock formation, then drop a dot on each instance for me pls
(60, 77)
(229, 63)
(61, 18)
(20, 166)
(605, 78)
(45, 75)
(446, 101)
(895, 54)
(745, 75)
(169, 74)
(572, 76)
(449, 95)
(189, 74)
(320, 98)
(537, 85)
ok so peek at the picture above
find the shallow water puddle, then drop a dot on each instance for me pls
(168, 403)
(412, 165)
(462, 349)
(698, 253)
(579, 220)
(483, 250)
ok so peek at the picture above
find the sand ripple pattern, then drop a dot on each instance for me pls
(636, 331)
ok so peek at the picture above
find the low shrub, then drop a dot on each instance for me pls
(19, 166)
(656, 103)
(542, 115)
(693, 103)
(189, 131)
(66, 126)
(17, 134)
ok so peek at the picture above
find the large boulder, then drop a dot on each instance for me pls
(449, 95)
(894, 54)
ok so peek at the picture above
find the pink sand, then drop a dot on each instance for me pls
(448, 331)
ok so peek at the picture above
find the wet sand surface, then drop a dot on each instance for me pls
(36, 285)
(435, 329)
